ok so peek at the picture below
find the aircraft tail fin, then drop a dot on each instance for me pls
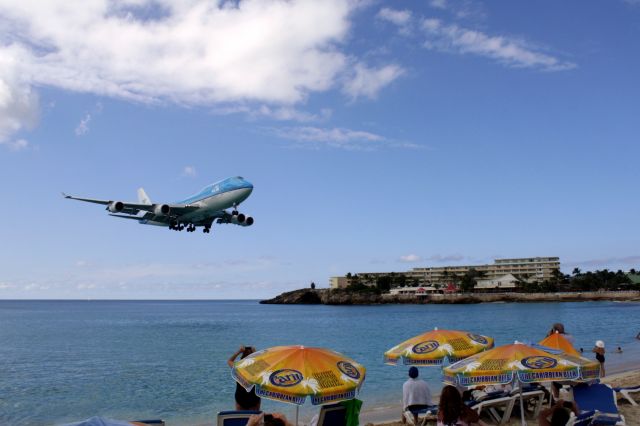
(143, 198)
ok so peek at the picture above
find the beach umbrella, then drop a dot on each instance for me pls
(559, 342)
(589, 368)
(435, 347)
(293, 373)
(511, 363)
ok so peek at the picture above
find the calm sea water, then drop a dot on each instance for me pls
(62, 361)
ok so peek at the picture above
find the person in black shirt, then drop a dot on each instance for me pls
(244, 400)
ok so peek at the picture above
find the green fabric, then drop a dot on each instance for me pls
(352, 416)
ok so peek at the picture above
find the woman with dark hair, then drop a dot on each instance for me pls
(244, 400)
(453, 412)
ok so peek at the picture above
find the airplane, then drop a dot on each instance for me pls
(202, 209)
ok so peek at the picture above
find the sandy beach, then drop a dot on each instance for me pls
(376, 416)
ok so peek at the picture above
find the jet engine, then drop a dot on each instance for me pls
(238, 219)
(161, 209)
(248, 221)
(115, 206)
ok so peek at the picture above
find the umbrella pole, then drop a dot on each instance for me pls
(521, 406)
(297, 408)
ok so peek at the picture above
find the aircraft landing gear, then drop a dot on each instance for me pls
(206, 229)
(235, 210)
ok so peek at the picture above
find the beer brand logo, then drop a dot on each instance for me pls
(539, 362)
(478, 338)
(285, 378)
(349, 369)
(425, 347)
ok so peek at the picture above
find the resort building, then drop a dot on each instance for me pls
(338, 282)
(501, 284)
(415, 291)
(530, 269)
(534, 269)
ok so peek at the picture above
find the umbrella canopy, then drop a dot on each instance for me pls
(436, 346)
(589, 369)
(558, 341)
(291, 373)
(504, 364)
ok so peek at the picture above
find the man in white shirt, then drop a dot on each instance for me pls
(415, 394)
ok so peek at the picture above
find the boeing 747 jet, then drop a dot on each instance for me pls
(205, 208)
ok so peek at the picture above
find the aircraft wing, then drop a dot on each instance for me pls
(135, 208)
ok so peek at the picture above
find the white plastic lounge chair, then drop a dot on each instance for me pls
(626, 392)
(599, 398)
(428, 412)
(492, 405)
(235, 418)
(531, 394)
(582, 419)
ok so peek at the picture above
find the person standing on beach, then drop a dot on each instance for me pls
(244, 400)
(599, 351)
(415, 394)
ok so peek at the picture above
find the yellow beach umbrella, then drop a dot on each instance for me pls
(292, 373)
(434, 347)
(589, 369)
(507, 363)
(559, 342)
(511, 363)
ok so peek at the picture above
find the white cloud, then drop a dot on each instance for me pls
(398, 17)
(337, 137)
(83, 127)
(410, 258)
(4, 286)
(438, 4)
(189, 171)
(369, 81)
(446, 258)
(190, 52)
(509, 51)
(18, 102)
(17, 145)
(274, 113)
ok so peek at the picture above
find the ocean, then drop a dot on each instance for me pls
(63, 361)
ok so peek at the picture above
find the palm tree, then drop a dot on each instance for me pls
(576, 272)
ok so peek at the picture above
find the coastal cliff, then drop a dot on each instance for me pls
(333, 297)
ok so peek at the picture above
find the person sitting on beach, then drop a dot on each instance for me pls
(415, 394)
(275, 419)
(453, 412)
(558, 414)
(599, 351)
(244, 400)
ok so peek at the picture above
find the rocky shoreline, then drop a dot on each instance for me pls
(341, 297)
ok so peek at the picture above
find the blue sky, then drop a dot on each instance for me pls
(379, 136)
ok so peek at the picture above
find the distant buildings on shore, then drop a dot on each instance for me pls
(501, 275)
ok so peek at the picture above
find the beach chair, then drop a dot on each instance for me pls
(599, 398)
(429, 413)
(531, 394)
(626, 392)
(235, 418)
(493, 403)
(582, 419)
(332, 415)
